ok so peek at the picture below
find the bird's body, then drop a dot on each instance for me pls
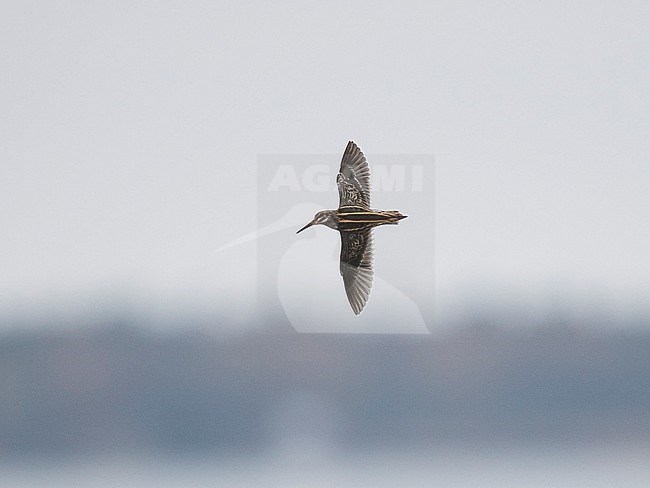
(354, 219)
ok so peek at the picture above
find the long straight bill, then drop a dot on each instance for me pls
(308, 225)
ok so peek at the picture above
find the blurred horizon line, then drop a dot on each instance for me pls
(173, 315)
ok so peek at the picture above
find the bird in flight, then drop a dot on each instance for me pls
(354, 219)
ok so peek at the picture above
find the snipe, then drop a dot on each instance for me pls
(354, 219)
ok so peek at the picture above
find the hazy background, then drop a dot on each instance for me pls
(129, 139)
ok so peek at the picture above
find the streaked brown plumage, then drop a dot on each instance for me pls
(354, 219)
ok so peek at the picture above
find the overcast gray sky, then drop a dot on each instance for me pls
(130, 132)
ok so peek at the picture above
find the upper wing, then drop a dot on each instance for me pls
(353, 179)
(356, 266)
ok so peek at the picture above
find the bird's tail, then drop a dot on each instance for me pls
(394, 216)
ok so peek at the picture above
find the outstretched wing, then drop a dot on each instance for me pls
(356, 266)
(353, 179)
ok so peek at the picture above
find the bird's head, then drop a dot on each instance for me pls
(324, 217)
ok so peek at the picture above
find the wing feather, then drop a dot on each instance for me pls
(356, 266)
(353, 180)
